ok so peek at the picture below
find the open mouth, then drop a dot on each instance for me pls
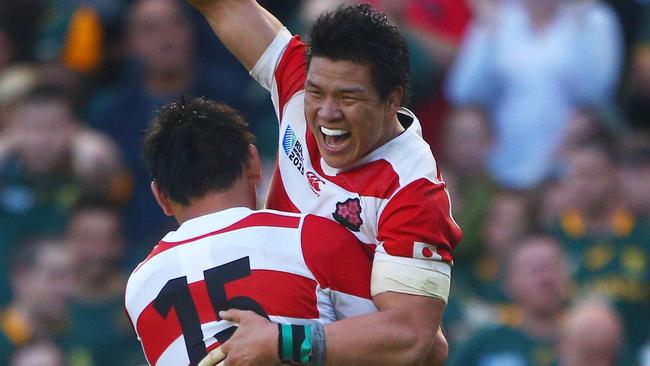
(335, 139)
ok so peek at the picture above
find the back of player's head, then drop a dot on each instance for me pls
(196, 146)
(361, 34)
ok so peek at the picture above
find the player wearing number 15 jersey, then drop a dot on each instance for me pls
(290, 268)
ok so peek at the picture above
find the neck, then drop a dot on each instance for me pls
(599, 216)
(238, 196)
(165, 83)
(100, 291)
(541, 326)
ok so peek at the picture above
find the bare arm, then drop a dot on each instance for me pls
(243, 26)
(403, 332)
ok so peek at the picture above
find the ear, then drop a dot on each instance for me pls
(394, 99)
(162, 199)
(253, 170)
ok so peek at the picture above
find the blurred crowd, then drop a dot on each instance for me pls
(538, 113)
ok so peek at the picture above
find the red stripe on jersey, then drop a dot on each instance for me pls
(375, 179)
(278, 199)
(419, 212)
(291, 72)
(279, 293)
(335, 257)
(157, 333)
(256, 219)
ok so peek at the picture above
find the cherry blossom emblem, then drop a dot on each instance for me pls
(348, 214)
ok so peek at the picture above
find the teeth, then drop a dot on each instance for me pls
(328, 132)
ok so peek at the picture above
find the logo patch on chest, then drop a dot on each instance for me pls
(315, 183)
(348, 214)
(293, 148)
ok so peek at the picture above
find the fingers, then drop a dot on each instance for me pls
(236, 316)
(213, 358)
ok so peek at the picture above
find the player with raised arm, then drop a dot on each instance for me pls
(283, 266)
(349, 152)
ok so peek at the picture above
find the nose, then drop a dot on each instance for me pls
(329, 111)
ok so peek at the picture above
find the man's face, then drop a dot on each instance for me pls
(94, 238)
(160, 35)
(50, 282)
(345, 111)
(44, 131)
(538, 277)
(590, 180)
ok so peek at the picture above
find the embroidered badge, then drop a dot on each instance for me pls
(315, 183)
(348, 214)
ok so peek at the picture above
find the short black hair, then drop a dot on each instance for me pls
(196, 146)
(361, 34)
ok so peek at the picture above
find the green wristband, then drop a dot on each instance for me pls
(294, 344)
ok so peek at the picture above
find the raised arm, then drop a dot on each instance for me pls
(243, 26)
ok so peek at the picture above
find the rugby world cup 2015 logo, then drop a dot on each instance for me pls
(348, 214)
(293, 148)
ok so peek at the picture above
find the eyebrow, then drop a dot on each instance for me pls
(349, 90)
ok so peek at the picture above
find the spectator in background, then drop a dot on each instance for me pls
(38, 186)
(479, 296)
(17, 30)
(42, 283)
(39, 354)
(160, 41)
(78, 33)
(637, 99)
(537, 282)
(95, 241)
(635, 175)
(592, 335)
(530, 63)
(608, 245)
(434, 31)
(467, 141)
(49, 162)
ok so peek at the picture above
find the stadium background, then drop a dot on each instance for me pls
(538, 116)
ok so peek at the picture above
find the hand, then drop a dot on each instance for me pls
(255, 342)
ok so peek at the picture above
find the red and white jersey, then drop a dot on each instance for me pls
(291, 268)
(393, 199)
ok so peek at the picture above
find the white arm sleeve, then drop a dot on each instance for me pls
(264, 70)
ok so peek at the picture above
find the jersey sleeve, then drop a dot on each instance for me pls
(417, 224)
(282, 69)
(416, 233)
(340, 265)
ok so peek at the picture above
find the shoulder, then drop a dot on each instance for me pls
(409, 155)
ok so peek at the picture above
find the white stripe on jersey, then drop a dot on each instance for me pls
(346, 305)
(279, 250)
(175, 354)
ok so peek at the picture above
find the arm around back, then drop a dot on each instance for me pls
(244, 27)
